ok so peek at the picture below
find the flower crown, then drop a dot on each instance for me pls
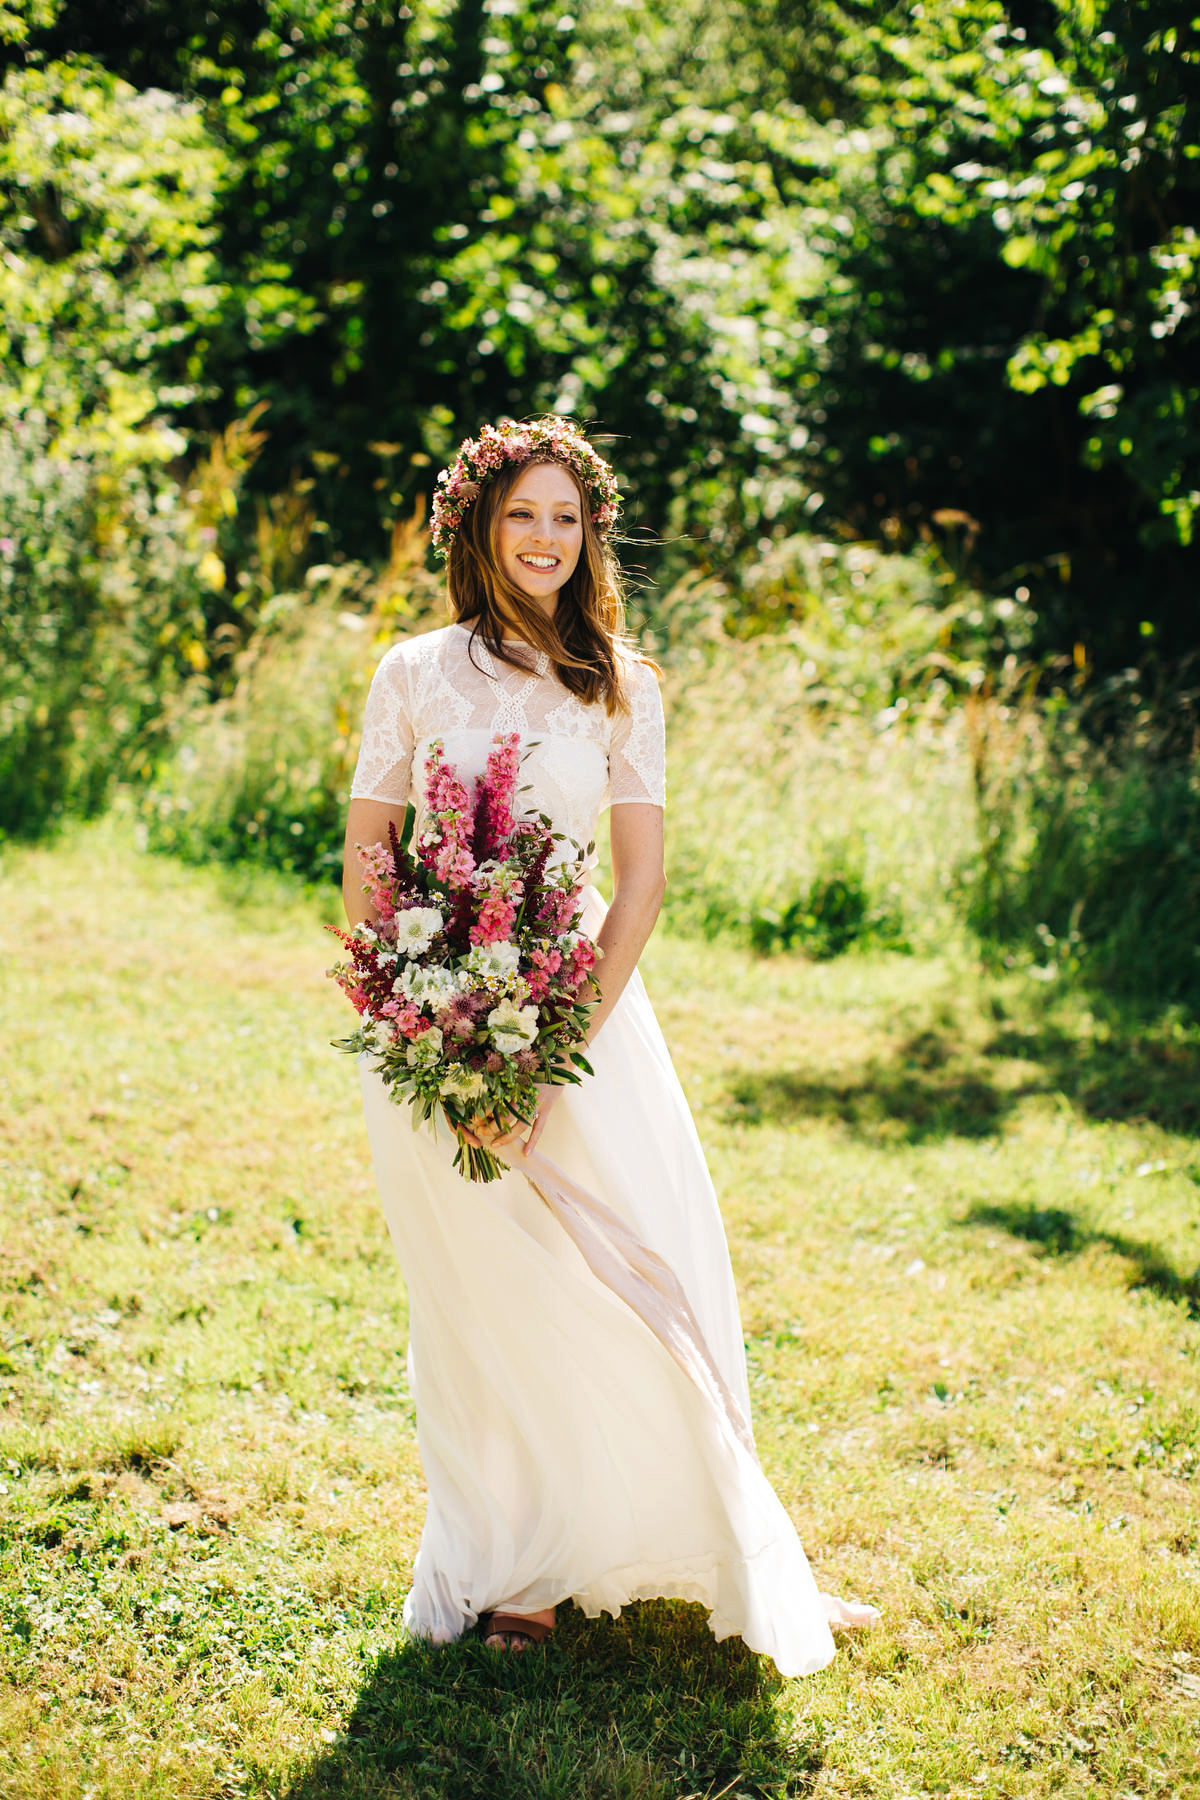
(548, 439)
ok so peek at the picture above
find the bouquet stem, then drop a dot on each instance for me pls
(478, 1165)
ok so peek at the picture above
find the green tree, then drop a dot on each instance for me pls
(108, 592)
(1009, 326)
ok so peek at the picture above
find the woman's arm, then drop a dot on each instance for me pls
(638, 887)
(366, 823)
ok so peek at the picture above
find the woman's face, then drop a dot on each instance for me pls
(539, 532)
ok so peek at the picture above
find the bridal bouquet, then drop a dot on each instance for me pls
(470, 987)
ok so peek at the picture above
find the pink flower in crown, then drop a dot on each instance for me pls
(480, 458)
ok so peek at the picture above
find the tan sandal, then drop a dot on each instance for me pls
(507, 1627)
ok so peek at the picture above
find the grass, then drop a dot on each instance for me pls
(963, 1212)
(812, 808)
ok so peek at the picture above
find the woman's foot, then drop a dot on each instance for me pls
(844, 1615)
(517, 1631)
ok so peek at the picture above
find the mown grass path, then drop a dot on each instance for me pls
(965, 1224)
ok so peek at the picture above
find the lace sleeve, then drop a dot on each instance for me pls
(384, 770)
(637, 753)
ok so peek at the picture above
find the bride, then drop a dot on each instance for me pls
(582, 1414)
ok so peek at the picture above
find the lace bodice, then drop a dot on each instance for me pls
(576, 758)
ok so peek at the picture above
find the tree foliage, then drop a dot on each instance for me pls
(893, 271)
(1010, 328)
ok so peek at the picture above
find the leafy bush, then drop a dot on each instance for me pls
(101, 622)
(1090, 860)
(871, 630)
(835, 913)
(1005, 205)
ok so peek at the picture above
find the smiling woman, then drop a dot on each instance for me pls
(576, 1353)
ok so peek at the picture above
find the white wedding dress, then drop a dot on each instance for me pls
(571, 1449)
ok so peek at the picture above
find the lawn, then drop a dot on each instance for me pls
(964, 1217)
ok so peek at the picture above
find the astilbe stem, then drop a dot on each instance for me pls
(458, 925)
(537, 868)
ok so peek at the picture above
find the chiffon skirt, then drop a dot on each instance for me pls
(568, 1454)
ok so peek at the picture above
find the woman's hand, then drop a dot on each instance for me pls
(547, 1100)
(484, 1133)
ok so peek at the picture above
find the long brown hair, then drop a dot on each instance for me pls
(583, 638)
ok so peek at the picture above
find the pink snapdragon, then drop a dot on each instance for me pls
(558, 909)
(494, 820)
(499, 898)
(379, 875)
(583, 961)
(408, 1021)
(544, 966)
(444, 847)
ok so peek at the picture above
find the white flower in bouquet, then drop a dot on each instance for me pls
(421, 985)
(439, 986)
(494, 962)
(408, 982)
(416, 929)
(462, 1084)
(424, 1050)
(513, 1028)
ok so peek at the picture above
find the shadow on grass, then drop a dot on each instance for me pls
(895, 1101)
(934, 1084)
(1058, 1232)
(642, 1707)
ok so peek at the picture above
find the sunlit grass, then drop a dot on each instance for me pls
(964, 1220)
